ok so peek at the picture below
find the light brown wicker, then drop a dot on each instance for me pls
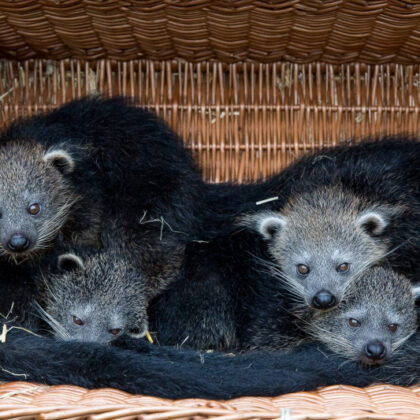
(249, 85)
(24, 400)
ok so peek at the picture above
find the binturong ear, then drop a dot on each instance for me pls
(61, 160)
(376, 219)
(415, 290)
(139, 331)
(70, 262)
(266, 223)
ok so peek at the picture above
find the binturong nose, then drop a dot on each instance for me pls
(18, 243)
(375, 350)
(324, 300)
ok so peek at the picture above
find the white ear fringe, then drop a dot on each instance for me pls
(416, 291)
(264, 222)
(141, 333)
(70, 257)
(61, 159)
(376, 218)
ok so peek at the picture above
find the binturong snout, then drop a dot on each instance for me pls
(18, 243)
(374, 352)
(324, 300)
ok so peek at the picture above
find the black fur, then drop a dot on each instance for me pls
(227, 276)
(127, 161)
(386, 171)
(221, 292)
(176, 373)
(128, 166)
(17, 291)
(225, 296)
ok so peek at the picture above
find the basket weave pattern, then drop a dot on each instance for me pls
(20, 399)
(242, 121)
(265, 31)
(262, 82)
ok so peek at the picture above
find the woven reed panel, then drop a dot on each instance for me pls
(333, 31)
(242, 121)
(385, 402)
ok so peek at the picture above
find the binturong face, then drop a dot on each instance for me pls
(376, 316)
(35, 197)
(96, 299)
(321, 241)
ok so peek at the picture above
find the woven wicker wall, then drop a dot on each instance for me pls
(242, 120)
(252, 93)
(266, 31)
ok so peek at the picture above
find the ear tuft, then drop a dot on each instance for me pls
(61, 160)
(70, 262)
(266, 223)
(375, 220)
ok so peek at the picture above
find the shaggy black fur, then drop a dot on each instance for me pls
(129, 166)
(17, 291)
(224, 288)
(127, 161)
(220, 292)
(386, 170)
(176, 373)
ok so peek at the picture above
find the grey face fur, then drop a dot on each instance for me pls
(96, 299)
(35, 199)
(321, 241)
(378, 310)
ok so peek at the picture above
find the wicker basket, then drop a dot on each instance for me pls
(23, 400)
(250, 85)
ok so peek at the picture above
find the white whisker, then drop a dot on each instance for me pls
(52, 322)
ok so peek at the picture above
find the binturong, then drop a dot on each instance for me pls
(376, 316)
(92, 160)
(322, 240)
(94, 295)
(36, 197)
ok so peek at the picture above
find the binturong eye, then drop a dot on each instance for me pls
(77, 321)
(343, 267)
(354, 323)
(393, 327)
(115, 331)
(34, 209)
(303, 269)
